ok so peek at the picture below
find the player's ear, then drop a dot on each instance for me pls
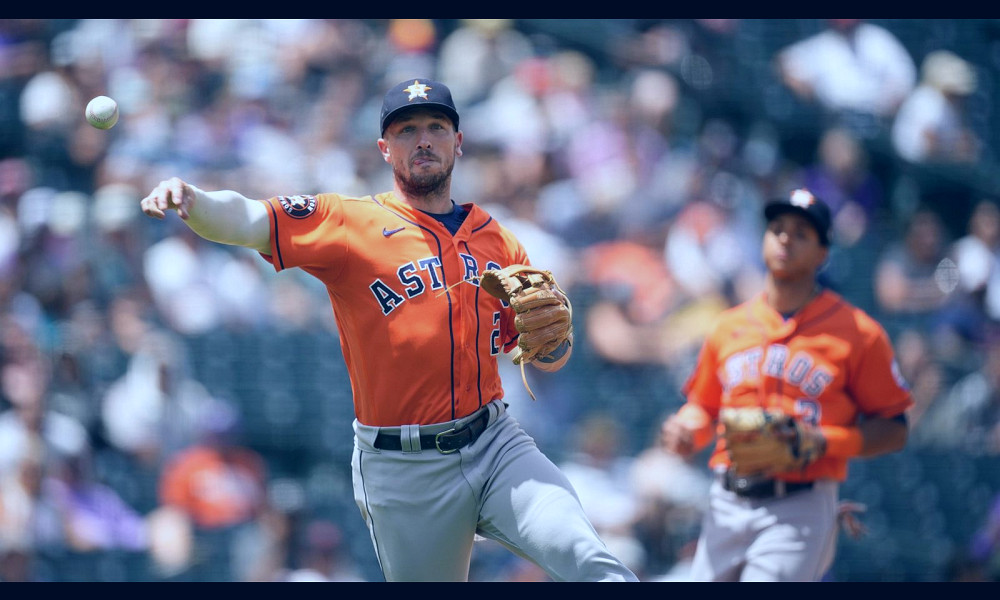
(458, 143)
(824, 259)
(383, 147)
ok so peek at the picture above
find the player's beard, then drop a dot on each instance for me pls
(429, 184)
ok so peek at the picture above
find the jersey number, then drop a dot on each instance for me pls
(809, 410)
(495, 335)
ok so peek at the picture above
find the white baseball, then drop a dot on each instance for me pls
(102, 112)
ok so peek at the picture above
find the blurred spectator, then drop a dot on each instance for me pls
(125, 322)
(653, 101)
(640, 314)
(977, 256)
(851, 67)
(672, 492)
(217, 481)
(53, 255)
(117, 246)
(171, 543)
(10, 242)
(599, 470)
(412, 46)
(710, 253)
(841, 175)
(47, 104)
(220, 486)
(156, 408)
(911, 281)
(977, 253)
(94, 516)
(641, 327)
(932, 125)
(967, 417)
(29, 521)
(983, 553)
(260, 549)
(479, 53)
(323, 556)
(68, 508)
(25, 385)
(550, 105)
(712, 243)
(920, 366)
(634, 291)
(72, 385)
(190, 280)
(518, 213)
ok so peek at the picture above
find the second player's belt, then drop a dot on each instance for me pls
(761, 488)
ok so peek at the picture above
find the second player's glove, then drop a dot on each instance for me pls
(768, 441)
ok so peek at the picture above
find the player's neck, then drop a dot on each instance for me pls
(437, 203)
(788, 297)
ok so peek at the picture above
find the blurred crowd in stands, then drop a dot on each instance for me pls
(630, 156)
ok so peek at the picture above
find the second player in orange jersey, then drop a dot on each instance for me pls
(807, 351)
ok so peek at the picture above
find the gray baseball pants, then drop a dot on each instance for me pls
(792, 538)
(424, 508)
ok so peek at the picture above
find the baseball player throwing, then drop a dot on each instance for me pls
(794, 383)
(437, 458)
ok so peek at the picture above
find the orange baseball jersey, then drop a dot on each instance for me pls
(828, 364)
(419, 337)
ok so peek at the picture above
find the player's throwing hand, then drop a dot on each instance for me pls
(172, 194)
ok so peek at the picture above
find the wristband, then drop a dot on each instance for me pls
(842, 441)
(556, 354)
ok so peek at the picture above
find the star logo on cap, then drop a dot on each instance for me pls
(802, 199)
(417, 90)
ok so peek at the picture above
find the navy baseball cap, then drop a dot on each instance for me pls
(417, 92)
(803, 202)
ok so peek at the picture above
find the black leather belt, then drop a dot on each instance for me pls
(761, 489)
(445, 442)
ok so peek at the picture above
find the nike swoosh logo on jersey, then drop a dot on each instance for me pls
(388, 232)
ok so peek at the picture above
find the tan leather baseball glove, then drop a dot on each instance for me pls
(544, 314)
(768, 441)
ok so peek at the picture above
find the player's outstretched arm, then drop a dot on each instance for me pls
(223, 216)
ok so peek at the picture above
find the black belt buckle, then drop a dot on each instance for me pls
(464, 435)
